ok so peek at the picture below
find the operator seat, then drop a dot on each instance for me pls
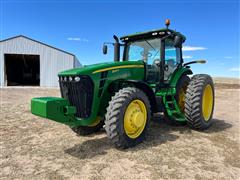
(153, 74)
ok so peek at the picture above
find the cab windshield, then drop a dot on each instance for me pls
(147, 50)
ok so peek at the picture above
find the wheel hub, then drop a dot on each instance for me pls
(138, 119)
(135, 118)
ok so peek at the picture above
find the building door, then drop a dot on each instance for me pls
(22, 70)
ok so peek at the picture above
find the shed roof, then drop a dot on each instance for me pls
(37, 42)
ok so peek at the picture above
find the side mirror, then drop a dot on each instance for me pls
(105, 48)
(178, 41)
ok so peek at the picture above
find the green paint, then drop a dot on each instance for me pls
(57, 109)
(177, 74)
(119, 75)
(89, 69)
(168, 95)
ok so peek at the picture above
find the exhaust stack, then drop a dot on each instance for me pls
(116, 48)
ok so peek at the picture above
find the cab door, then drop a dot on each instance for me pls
(172, 58)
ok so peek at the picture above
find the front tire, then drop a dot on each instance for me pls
(127, 117)
(199, 103)
(87, 130)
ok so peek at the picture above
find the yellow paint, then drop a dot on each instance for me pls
(115, 70)
(207, 102)
(98, 120)
(135, 119)
(118, 67)
(201, 61)
(181, 99)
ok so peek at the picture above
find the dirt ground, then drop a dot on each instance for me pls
(35, 148)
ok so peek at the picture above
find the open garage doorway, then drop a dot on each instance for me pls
(22, 70)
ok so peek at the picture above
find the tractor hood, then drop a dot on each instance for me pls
(101, 67)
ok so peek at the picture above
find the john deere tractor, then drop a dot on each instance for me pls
(122, 96)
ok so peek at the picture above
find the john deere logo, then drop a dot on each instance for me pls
(115, 70)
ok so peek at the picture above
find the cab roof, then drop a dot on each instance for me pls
(151, 34)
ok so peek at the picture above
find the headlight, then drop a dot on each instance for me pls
(77, 79)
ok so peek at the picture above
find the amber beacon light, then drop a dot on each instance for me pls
(167, 22)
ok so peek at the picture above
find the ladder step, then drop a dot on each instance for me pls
(170, 102)
(180, 119)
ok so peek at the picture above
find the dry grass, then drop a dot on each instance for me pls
(227, 83)
(36, 148)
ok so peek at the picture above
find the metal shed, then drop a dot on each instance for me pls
(25, 61)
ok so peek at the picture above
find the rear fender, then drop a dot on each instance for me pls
(178, 74)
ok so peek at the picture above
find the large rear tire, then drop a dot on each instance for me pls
(199, 103)
(127, 117)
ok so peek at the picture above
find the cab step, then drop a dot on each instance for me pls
(170, 103)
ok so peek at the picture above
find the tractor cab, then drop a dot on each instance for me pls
(160, 50)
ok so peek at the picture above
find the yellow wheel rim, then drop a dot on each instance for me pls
(181, 99)
(96, 122)
(135, 119)
(207, 102)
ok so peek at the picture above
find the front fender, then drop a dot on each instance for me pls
(147, 90)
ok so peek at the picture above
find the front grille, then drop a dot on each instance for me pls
(78, 90)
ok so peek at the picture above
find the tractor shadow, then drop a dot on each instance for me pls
(159, 133)
(90, 148)
(218, 126)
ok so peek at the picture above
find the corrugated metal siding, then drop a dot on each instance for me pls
(52, 60)
(1, 66)
(77, 63)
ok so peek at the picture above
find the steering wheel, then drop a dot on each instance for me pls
(170, 62)
(144, 54)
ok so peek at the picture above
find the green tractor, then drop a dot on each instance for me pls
(123, 95)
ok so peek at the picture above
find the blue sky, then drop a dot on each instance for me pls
(81, 27)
